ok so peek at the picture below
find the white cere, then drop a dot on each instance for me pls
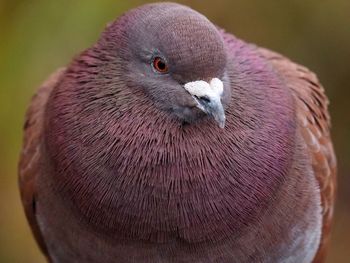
(201, 88)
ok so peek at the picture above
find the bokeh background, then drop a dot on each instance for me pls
(37, 36)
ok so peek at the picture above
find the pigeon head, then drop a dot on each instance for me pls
(176, 56)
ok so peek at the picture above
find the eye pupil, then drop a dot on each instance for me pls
(160, 65)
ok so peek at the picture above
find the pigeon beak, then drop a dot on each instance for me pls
(208, 98)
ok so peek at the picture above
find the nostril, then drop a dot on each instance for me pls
(203, 98)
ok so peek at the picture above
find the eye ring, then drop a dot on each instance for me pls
(160, 65)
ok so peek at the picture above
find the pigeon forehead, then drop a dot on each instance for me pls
(193, 47)
(184, 36)
(194, 36)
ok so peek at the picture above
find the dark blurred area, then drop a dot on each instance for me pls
(38, 36)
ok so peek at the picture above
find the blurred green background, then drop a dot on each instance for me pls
(37, 36)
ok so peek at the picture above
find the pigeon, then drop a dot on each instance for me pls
(171, 140)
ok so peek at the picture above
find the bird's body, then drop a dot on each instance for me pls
(117, 171)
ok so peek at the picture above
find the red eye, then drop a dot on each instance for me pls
(160, 65)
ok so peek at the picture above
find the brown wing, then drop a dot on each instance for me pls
(314, 122)
(29, 164)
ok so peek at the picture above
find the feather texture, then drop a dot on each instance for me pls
(30, 164)
(314, 123)
(116, 157)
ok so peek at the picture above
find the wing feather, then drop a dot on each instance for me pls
(314, 123)
(30, 161)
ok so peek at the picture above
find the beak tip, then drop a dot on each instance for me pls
(221, 123)
(220, 119)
